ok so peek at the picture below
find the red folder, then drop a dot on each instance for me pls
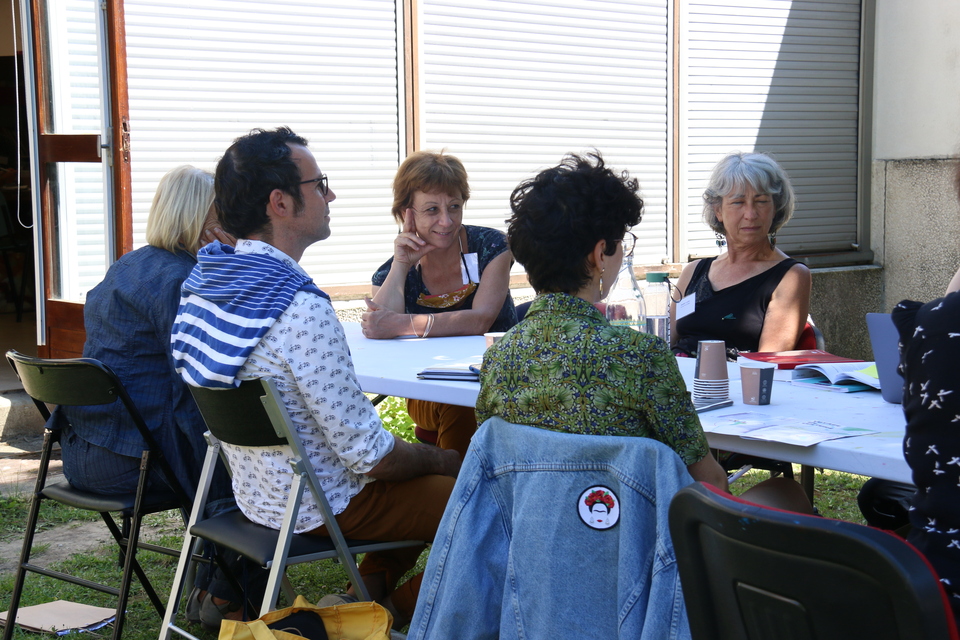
(790, 359)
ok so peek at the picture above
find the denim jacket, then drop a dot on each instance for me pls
(128, 317)
(554, 535)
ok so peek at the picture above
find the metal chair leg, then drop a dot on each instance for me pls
(807, 474)
(18, 583)
(32, 517)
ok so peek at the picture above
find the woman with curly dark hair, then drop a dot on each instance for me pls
(564, 367)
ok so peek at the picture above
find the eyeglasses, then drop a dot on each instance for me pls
(321, 183)
(629, 242)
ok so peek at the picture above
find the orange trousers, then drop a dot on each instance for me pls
(455, 425)
(384, 510)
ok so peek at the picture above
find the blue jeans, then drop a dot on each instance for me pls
(98, 470)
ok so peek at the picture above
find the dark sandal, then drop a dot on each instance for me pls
(194, 602)
(212, 614)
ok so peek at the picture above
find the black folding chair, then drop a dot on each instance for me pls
(78, 382)
(253, 415)
(752, 573)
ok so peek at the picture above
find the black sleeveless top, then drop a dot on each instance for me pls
(734, 314)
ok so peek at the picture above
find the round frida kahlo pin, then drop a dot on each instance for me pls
(599, 507)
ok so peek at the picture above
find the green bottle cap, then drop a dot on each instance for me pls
(657, 276)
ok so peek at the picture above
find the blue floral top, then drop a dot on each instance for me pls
(487, 244)
(564, 368)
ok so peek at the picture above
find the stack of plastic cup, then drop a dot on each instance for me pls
(710, 380)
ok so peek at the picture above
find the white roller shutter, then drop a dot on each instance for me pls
(203, 73)
(510, 87)
(779, 76)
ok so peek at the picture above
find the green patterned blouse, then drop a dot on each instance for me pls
(564, 368)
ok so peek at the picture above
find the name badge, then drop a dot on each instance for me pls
(472, 271)
(686, 306)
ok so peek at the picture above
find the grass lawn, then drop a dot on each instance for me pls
(835, 492)
(836, 497)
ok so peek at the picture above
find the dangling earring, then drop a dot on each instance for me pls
(601, 284)
(721, 240)
(773, 240)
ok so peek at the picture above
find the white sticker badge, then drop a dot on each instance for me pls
(599, 507)
(470, 268)
(686, 306)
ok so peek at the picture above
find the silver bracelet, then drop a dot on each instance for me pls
(412, 327)
(426, 331)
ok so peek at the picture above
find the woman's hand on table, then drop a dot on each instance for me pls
(409, 248)
(378, 323)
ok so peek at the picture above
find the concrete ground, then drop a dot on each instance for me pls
(21, 426)
(19, 417)
(19, 460)
(21, 336)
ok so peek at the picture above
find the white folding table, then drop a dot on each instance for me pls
(390, 367)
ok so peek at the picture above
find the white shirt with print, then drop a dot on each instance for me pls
(307, 356)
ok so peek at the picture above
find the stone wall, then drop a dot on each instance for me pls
(915, 227)
(839, 302)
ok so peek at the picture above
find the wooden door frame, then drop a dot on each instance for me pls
(410, 41)
(63, 321)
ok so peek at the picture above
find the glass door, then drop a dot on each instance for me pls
(81, 157)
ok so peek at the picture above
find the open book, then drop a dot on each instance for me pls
(838, 376)
(461, 371)
(788, 430)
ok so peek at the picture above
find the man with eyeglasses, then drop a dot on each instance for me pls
(253, 312)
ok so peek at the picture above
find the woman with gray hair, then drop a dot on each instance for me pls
(754, 297)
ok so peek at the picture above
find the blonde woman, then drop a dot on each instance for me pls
(128, 318)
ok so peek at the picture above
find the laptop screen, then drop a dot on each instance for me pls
(884, 339)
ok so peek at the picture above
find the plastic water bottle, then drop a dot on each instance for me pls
(657, 297)
(625, 306)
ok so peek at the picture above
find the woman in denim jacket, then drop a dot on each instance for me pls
(128, 318)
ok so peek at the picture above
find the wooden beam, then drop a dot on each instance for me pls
(411, 76)
(70, 147)
(120, 127)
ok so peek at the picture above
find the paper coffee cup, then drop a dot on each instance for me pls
(493, 336)
(756, 379)
(711, 360)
